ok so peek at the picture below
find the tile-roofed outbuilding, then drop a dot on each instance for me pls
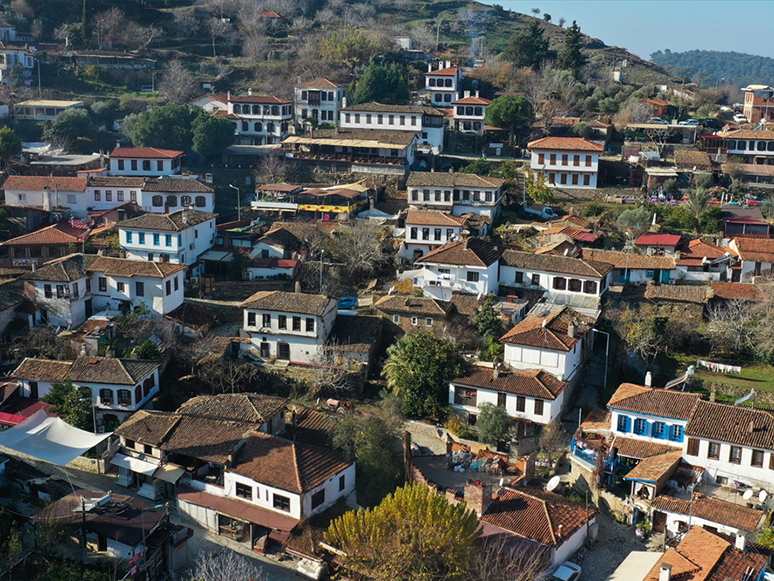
(629, 260)
(658, 239)
(740, 425)
(468, 252)
(539, 515)
(653, 468)
(433, 218)
(205, 438)
(243, 407)
(665, 403)
(412, 305)
(565, 144)
(291, 466)
(697, 250)
(452, 180)
(38, 183)
(753, 249)
(310, 426)
(639, 448)
(172, 222)
(147, 427)
(307, 304)
(50, 370)
(466, 304)
(683, 293)
(109, 370)
(142, 152)
(711, 509)
(59, 233)
(530, 383)
(692, 160)
(549, 330)
(736, 291)
(557, 264)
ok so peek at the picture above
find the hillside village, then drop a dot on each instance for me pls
(264, 265)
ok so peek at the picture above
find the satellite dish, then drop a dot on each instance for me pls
(748, 494)
(553, 483)
(762, 495)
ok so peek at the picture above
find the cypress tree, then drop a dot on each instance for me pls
(571, 58)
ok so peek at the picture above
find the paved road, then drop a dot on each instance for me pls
(202, 541)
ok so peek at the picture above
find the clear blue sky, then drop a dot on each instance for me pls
(643, 27)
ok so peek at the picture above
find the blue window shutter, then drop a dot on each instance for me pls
(628, 424)
(669, 432)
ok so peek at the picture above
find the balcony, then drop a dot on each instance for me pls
(346, 157)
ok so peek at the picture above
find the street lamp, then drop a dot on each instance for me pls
(322, 253)
(239, 202)
(607, 351)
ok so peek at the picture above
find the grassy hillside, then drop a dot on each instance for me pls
(712, 66)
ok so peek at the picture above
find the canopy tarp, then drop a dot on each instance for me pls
(134, 464)
(50, 439)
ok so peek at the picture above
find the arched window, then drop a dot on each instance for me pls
(185, 200)
(448, 82)
(171, 201)
(201, 201)
(468, 110)
(479, 111)
(275, 110)
(270, 127)
(431, 82)
(258, 126)
(256, 109)
(237, 109)
(157, 201)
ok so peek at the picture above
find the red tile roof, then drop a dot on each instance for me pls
(153, 152)
(321, 82)
(754, 249)
(549, 331)
(531, 383)
(740, 425)
(433, 218)
(38, 183)
(579, 234)
(555, 264)
(447, 72)
(655, 468)
(42, 370)
(656, 239)
(678, 292)
(736, 291)
(59, 233)
(242, 407)
(533, 513)
(636, 448)
(697, 250)
(711, 509)
(664, 403)
(260, 99)
(565, 144)
(621, 260)
(411, 305)
(468, 252)
(472, 101)
(308, 304)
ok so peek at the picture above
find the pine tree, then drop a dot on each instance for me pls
(571, 58)
(529, 48)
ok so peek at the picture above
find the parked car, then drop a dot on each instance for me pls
(544, 213)
(567, 572)
(711, 124)
(753, 202)
(347, 303)
(658, 121)
(739, 118)
(691, 122)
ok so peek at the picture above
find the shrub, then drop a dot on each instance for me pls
(594, 209)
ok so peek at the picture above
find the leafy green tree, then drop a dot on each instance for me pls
(529, 47)
(488, 322)
(766, 537)
(571, 57)
(537, 188)
(509, 169)
(354, 49)
(704, 180)
(168, 127)
(418, 369)
(680, 217)
(583, 130)
(148, 350)
(378, 451)
(698, 203)
(68, 126)
(493, 423)
(509, 112)
(479, 167)
(383, 84)
(72, 404)
(671, 187)
(414, 534)
(711, 221)
(10, 144)
(636, 220)
(211, 135)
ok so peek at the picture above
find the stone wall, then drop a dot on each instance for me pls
(761, 397)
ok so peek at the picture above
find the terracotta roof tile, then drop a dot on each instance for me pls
(656, 239)
(242, 407)
(322, 83)
(66, 269)
(736, 291)
(260, 99)
(531, 383)
(59, 233)
(472, 101)
(108, 370)
(172, 222)
(748, 134)
(306, 304)
(467, 305)
(123, 267)
(756, 250)
(147, 427)
(597, 420)
(452, 180)
(690, 159)
(153, 152)
(175, 185)
(565, 144)
(38, 183)
(204, 438)
(622, 260)
(711, 509)
(697, 250)
(637, 448)
(42, 370)
(447, 72)
(678, 292)
(549, 331)
(664, 403)
(533, 513)
(312, 427)
(433, 218)
(468, 252)
(556, 264)
(404, 138)
(375, 107)
(115, 182)
(732, 424)
(411, 305)
(654, 468)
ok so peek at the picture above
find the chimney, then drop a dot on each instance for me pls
(429, 67)
(466, 94)
(250, 92)
(476, 93)
(228, 96)
(118, 143)
(478, 496)
(448, 64)
(298, 287)
(665, 572)
(751, 429)
(648, 379)
(495, 370)
(191, 206)
(34, 266)
(740, 542)
(571, 330)
(122, 254)
(712, 396)
(451, 169)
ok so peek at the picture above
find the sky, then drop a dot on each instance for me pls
(643, 27)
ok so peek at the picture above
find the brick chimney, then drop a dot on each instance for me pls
(478, 496)
(665, 572)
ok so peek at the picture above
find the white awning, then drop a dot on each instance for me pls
(134, 464)
(169, 473)
(217, 256)
(50, 439)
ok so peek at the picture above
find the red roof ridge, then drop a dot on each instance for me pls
(550, 522)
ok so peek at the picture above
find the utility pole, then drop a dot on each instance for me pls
(83, 529)
(39, 90)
